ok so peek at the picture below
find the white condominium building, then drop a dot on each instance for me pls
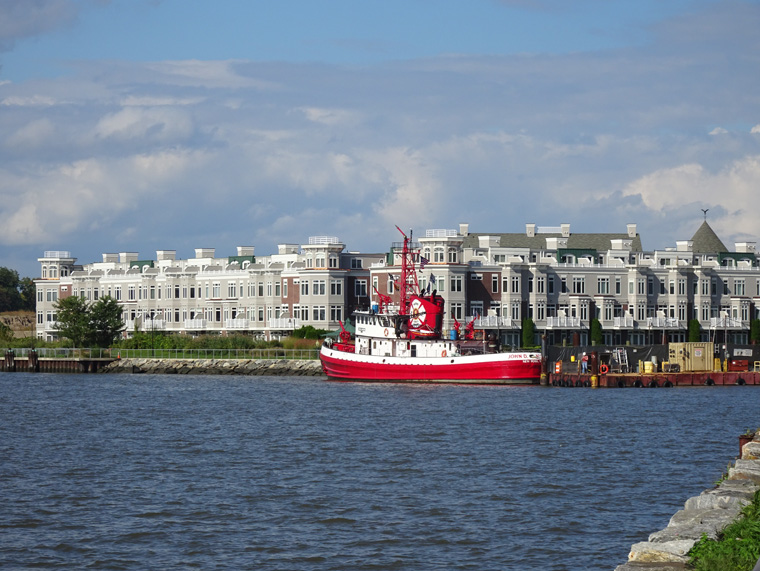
(558, 279)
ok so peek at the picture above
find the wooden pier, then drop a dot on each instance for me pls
(32, 363)
(656, 380)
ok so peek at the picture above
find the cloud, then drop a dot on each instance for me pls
(185, 153)
(24, 18)
(732, 191)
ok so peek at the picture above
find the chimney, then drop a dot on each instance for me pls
(632, 230)
(530, 230)
(464, 229)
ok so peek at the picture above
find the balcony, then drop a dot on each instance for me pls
(283, 323)
(495, 322)
(51, 326)
(623, 322)
(663, 323)
(153, 325)
(564, 323)
(728, 323)
(237, 323)
(195, 324)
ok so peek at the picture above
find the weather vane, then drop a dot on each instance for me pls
(705, 212)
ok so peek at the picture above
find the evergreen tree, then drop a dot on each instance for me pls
(105, 322)
(695, 331)
(596, 332)
(754, 331)
(528, 333)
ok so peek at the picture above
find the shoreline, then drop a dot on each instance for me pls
(253, 367)
(707, 513)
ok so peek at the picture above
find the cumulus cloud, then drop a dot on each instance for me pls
(732, 191)
(186, 153)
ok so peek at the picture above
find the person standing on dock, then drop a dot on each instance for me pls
(584, 363)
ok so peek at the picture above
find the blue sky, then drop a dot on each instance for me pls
(140, 125)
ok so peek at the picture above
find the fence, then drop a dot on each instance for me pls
(96, 353)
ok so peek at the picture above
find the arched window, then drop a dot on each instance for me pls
(44, 271)
(53, 272)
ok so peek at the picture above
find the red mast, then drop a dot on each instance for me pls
(408, 283)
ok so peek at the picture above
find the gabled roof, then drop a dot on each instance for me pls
(598, 242)
(706, 241)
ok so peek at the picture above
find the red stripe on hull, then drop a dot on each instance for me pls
(462, 370)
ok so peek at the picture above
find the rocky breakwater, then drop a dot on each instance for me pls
(272, 367)
(709, 513)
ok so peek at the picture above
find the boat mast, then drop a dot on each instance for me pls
(408, 283)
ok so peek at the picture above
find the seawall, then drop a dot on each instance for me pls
(709, 513)
(273, 367)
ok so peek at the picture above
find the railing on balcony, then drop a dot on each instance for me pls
(284, 323)
(494, 321)
(195, 324)
(51, 326)
(728, 323)
(625, 321)
(564, 322)
(153, 325)
(237, 323)
(662, 323)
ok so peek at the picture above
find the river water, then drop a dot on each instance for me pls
(170, 472)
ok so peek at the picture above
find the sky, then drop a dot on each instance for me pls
(144, 125)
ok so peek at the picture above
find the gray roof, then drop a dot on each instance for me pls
(598, 242)
(706, 241)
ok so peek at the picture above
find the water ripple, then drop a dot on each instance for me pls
(134, 472)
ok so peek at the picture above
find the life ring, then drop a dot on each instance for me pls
(603, 369)
(443, 353)
(385, 332)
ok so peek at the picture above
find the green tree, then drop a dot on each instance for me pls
(695, 331)
(10, 298)
(73, 319)
(6, 334)
(528, 333)
(754, 331)
(105, 322)
(596, 332)
(28, 292)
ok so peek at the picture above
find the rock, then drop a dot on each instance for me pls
(663, 552)
(751, 450)
(746, 470)
(637, 566)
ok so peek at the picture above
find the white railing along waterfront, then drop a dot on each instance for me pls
(116, 353)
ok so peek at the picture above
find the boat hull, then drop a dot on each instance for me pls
(494, 368)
